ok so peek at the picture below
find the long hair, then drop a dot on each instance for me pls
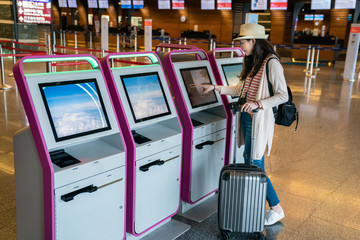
(252, 63)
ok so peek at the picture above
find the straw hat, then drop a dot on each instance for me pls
(252, 30)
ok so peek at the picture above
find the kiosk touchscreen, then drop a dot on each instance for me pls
(227, 73)
(231, 73)
(154, 159)
(70, 167)
(204, 122)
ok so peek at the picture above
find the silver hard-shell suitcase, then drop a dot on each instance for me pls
(242, 198)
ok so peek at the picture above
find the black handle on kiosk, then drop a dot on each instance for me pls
(70, 196)
(146, 167)
(201, 145)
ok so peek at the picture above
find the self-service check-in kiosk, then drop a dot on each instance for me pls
(227, 72)
(203, 119)
(154, 149)
(70, 162)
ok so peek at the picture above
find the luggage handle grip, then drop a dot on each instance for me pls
(70, 196)
(146, 167)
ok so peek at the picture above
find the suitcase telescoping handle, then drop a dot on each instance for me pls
(255, 111)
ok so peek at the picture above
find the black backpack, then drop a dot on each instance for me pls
(286, 113)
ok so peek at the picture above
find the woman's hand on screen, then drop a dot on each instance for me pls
(205, 88)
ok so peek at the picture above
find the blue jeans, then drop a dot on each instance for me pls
(246, 124)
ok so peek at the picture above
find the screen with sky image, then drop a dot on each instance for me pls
(146, 96)
(197, 76)
(232, 73)
(74, 108)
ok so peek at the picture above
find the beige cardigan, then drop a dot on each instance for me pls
(265, 120)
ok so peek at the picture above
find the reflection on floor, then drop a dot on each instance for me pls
(315, 170)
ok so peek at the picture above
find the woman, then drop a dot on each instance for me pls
(253, 89)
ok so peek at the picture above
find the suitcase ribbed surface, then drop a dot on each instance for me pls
(242, 201)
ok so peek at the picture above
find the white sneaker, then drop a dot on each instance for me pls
(273, 217)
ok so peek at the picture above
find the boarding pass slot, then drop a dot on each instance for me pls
(158, 162)
(89, 189)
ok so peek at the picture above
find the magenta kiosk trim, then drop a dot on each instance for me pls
(75, 173)
(203, 119)
(153, 136)
(227, 71)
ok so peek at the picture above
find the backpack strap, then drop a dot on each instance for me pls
(297, 120)
(269, 83)
(272, 93)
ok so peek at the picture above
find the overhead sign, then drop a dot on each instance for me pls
(92, 4)
(309, 17)
(72, 3)
(125, 3)
(103, 4)
(38, 12)
(320, 4)
(62, 3)
(164, 4)
(278, 4)
(178, 4)
(345, 4)
(258, 5)
(319, 17)
(138, 4)
(207, 4)
(224, 4)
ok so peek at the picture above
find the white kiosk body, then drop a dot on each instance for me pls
(204, 122)
(70, 167)
(154, 165)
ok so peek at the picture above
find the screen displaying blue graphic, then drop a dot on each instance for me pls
(74, 108)
(319, 17)
(309, 17)
(232, 74)
(145, 95)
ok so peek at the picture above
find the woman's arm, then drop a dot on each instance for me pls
(277, 80)
(225, 90)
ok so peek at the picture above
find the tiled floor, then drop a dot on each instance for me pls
(315, 170)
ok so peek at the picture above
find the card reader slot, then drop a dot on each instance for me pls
(196, 123)
(209, 142)
(62, 159)
(138, 138)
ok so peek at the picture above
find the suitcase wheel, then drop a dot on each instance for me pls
(261, 236)
(224, 235)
